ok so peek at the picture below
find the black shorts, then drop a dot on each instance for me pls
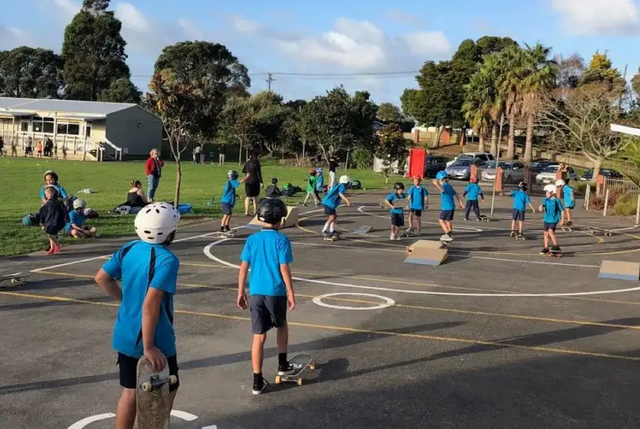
(517, 215)
(397, 219)
(252, 189)
(52, 230)
(549, 226)
(129, 371)
(226, 208)
(416, 212)
(267, 312)
(329, 211)
(447, 215)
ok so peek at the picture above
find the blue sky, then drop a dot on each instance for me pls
(313, 38)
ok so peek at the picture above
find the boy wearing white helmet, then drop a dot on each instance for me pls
(331, 201)
(148, 272)
(553, 212)
(75, 227)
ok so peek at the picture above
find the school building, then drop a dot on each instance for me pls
(82, 130)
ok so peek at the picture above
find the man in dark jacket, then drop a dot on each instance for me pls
(253, 183)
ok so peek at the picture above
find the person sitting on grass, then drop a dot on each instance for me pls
(136, 199)
(272, 190)
(75, 227)
(53, 218)
(51, 179)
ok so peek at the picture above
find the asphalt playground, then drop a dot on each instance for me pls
(498, 336)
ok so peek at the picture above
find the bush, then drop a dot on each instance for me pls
(363, 159)
(581, 187)
(625, 206)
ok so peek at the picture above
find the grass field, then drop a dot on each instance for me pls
(22, 179)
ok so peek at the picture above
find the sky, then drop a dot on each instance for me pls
(312, 46)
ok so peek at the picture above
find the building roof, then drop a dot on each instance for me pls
(87, 108)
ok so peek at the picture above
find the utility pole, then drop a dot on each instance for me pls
(269, 80)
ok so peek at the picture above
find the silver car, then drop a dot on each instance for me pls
(461, 169)
(512, 172)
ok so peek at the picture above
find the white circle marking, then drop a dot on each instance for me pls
(388, 302)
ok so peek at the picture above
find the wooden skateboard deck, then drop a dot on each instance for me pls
(153, 404)
(15, 279)
(300, 362)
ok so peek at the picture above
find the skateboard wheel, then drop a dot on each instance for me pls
(299, 382)
(173, 379)
(146, 387)
(312, 366)
(278, 379)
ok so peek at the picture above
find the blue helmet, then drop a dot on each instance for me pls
(442, 175)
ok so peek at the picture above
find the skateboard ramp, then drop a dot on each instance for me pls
(426, 252)
(293, 214)
(617, 270)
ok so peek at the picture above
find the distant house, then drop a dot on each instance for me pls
(81, 129)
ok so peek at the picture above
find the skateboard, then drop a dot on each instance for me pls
(483, 218)
(16, 279)
(446, 242)
(332, 237)
(153, 404)
(520, 237)
(410, 233)
(553, 253)
(300, 362)
(225, 234)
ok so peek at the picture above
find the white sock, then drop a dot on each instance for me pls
(331, 228)
(326, 226)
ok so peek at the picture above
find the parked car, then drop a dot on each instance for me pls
(512, 171)
(461, 169)
(484, 156)
(433, 164)
(606, 172)
(538, 165)
(548, 175)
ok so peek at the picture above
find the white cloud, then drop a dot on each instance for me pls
(68, 7)
(132, 19)
(599, 17)
(355, 45)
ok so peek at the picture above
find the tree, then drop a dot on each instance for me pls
(269, 117)
(93, 52)
(570, 70)
(601, 71)
(30, 73)
(388, 112)
(392, 147)
(580, 120)
(635, 83)
(479, 96)
(121, 91)
(174, 101)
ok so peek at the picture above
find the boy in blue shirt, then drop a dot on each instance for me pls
(228, 200)
(331, 201)
(319, 180)
(569, 199)
(418, 201)
(268, 254)
(447, 204)
(471, 193)
(75, 227)
(148, 271)
(553, 212)
(397, 213)
(520, 201)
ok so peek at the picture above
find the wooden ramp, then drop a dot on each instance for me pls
(293, 215)
(617, 270)
(426, 252)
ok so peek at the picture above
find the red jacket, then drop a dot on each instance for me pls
(150, 166)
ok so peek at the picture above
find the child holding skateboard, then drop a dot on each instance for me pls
(471, 193)
(331, 201)
(148, 272)
(268, 254)
(75, 227)
(553, 212)
(311, 188)
(569, 199)
(228, 200)
(520, 201)
(53, 218)
(447, 204)
(418, 201)
(397, 213)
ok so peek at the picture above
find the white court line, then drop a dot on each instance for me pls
(84, 422)
(361, 210)
(210, 255)
(183, 415)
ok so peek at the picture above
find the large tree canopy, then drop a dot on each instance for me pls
(121, 91)
(93, 52)
(30, 73)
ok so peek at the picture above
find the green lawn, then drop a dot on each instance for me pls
(22, 179)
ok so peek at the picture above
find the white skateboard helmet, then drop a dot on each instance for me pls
(550, 188)
(560, 182)
(155, 222)
(345, 179)
(79, 204)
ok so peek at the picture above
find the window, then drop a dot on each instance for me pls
(62, 128)
(74, 129)
(37, 126)
(24, 127)
(48, 127)
(88, 130)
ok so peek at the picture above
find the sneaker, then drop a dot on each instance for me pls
(259, 386)
(392, 237)
(555, 249)
(544, 251)
(284, 369)
(466, 218)
(513, 234)
(478, 220)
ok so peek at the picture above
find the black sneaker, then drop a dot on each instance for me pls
(544, 251)
(284, 369)
(513, 234)
(259, 386)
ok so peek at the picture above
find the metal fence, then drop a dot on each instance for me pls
(613, 196)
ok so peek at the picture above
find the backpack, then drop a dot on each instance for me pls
(31, 219)
(356, 184)
(288, 190)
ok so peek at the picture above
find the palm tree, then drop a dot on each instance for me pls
(491, 70)
(510, 64)
(477, 104)
(539, 74)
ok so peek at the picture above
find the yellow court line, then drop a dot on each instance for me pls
(353, 330)
(416, 307)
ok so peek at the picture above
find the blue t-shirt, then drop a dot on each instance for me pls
(473, 190)
(417, 195)
(319, 182)
(392, 198)
(229, 192)
(567, 194)
(62, 193)
(140, 266)
(332, 199)
(75, 217)
(520, 200)
(552, 208)
(265, 251)
(446, 199)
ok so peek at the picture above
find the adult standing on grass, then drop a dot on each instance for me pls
(253, 183)
(153, 168)
(333, 165)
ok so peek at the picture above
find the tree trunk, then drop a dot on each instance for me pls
(481, 144)
(528, 148)
(494, 139)
(511, 142)
(438, 137)
(240, 153)
(176, 197)
(597, 165)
